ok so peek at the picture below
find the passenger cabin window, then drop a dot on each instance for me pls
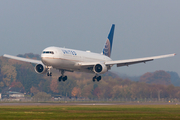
(48, 52)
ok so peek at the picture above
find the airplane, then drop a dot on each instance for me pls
(69, 60)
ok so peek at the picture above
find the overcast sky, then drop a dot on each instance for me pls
(143, 28)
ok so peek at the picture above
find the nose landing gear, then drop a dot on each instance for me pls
(49, 73)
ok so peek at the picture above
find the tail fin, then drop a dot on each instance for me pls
(108, 46)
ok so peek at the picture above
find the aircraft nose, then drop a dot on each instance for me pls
(43, 60)
(46, 61)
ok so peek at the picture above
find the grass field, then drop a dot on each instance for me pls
(124, 112)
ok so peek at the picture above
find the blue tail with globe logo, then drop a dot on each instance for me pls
(108, 46)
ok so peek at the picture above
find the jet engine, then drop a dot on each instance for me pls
(100, 68)
(40, 69)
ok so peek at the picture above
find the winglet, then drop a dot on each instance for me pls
(108, 46)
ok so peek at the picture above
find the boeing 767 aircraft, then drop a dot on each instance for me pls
(64, 59)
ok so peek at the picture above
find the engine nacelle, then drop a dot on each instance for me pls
(40, 69)
(100, 68)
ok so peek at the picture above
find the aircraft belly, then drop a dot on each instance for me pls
(58, 63)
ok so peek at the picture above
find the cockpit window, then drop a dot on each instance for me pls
(48, 52)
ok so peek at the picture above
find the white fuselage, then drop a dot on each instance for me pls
(67, 59)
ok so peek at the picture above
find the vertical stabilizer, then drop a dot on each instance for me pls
(108, 46)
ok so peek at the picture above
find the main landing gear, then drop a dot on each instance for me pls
(62, 77)
(96, 77)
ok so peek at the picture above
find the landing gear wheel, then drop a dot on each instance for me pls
(98, 78)
(64, 78)
(60, 78)
(49, 74)
(94, 79)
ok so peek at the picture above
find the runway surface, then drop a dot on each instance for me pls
(85, 104)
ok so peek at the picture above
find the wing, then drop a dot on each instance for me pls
(23, 59)
(120, 63)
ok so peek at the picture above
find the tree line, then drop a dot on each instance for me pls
(21, 77)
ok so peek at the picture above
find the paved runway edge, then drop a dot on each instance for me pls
(84, 104)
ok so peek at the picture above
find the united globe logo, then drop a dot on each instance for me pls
(107, 48)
